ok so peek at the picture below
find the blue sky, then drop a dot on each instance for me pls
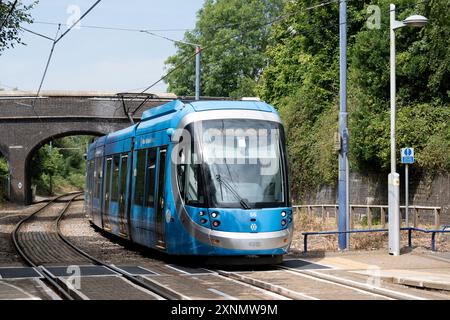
(93, 59)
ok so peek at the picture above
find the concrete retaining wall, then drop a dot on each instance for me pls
(372, 189)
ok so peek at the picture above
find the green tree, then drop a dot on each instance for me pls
(423, 88)
(10, 32)
(47, 163)
(4, 172)
(61, 167)
(234, 38)
(302, 80)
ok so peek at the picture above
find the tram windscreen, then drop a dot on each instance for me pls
(243, 162)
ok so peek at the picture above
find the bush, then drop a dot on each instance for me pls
(302, 80)
(64, 162)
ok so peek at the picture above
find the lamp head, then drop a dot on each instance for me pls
(415, 21)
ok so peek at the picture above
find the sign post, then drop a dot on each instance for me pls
(407, 155)
(406, 196)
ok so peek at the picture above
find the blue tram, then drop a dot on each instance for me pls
(205, 178)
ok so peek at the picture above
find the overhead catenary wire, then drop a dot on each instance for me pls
(169, 39)
(249, 28)
(4, 85)
(228, 25)
(44, 74)
(37, 33)
(256, 26)
(152, 31)
(114, 28)
(55, 41)
(48, 62)
(81, 18)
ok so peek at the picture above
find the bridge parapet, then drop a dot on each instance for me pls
(56, 114)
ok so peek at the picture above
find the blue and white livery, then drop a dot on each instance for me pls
(205, 178)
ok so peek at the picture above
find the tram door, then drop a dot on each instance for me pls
(159, 218)
(122, 195)
(105, 211)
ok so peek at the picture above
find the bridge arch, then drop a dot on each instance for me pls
(60, 113)
(31, 139)
(34, 149)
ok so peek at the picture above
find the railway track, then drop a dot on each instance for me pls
(41, 244)
(337, 284)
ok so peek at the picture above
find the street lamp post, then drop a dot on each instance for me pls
(198, 51)
(394, 177)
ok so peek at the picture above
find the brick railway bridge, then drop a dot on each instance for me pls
(56, 114)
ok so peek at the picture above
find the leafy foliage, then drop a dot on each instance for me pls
(234, 38)
(9, 34)
(423, 90)
(3, 178)
(302, 80)
(60, 167)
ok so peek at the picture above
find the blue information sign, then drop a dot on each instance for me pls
(407, 155)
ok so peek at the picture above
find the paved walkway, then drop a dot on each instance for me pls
(422, 270)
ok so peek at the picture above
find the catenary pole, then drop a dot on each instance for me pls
(343, 167)
(198, 51)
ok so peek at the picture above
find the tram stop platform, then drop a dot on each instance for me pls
(413, 268)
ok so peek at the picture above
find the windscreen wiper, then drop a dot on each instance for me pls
(243, 202)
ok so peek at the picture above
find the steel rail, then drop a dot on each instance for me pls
(283, 291)
(264, 285)
(59, 286)
(147, 284)
(388, 293)
(64, 293)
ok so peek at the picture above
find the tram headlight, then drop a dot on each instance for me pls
(283, 222)
(214, 215)
(283, 214)
(216, 223)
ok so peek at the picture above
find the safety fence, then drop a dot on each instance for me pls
(445, 229)
(359, 211)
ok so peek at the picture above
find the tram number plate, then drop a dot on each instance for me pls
(254, 244)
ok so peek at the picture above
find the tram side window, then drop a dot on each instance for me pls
(190, 181)
(150, 181)
(193, 185)
(115, 178)
(123, 173)
(88, 174)
(99, 176)
(107, 182)
(94, 178)
(140, 178)
(181, 171)
(91, 176)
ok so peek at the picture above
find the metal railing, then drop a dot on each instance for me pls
(414, 210)
(410, 231)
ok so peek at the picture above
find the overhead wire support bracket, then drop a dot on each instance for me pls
(127, 112)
